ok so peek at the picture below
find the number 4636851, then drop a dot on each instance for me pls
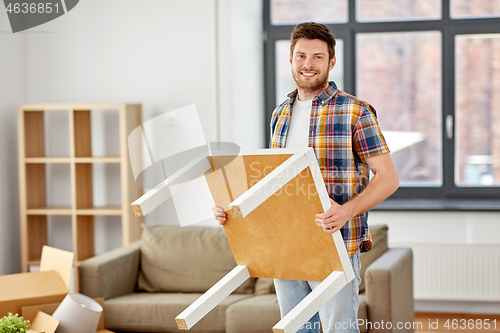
(32, 8)
(471, 324)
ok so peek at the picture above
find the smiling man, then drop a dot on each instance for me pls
(348, 143)
(311, 64)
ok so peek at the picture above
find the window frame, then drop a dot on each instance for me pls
(448, 196)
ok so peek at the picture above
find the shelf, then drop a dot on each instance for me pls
(84, 247)
(33, 262)
(66, 107)
(93, 127)
(100, 211)
(75, 179)
(50, 211)
(111, 159)
(69, 211)
(63, 160)
(32, 122)
(52, 159)
(36, 236)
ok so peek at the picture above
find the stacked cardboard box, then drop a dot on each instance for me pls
(36, 295)
(30, 313)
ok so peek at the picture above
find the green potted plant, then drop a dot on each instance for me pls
(14, 324)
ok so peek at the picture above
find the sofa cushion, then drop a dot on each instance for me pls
(260, 313)
(264, 286)
(379, 240)
(156, 312)
(256, 314)
(192, 259)
(362, 314)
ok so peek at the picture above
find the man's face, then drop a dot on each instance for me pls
(310, 64)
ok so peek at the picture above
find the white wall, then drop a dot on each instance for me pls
(241, 73)
(164, 54)
(12, 92)
(247, 58)
(160, 53)
(440, 228)
(239, 90)
(440, 231)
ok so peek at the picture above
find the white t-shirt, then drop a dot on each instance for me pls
(298, 133)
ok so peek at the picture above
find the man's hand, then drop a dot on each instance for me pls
(219, 215)
(334, 218)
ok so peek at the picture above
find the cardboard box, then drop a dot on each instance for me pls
(30, 312)
(43, 323)
(18, 290)
(46, 286)
(53, 259)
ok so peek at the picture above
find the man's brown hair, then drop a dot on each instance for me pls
(311, 30)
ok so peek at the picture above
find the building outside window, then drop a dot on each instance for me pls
(431, 69)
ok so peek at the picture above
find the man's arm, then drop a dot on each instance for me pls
(384, 182)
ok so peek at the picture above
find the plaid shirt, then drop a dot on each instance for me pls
(343, 131)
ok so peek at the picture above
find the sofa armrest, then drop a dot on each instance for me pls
(111, 274)
(389, 289)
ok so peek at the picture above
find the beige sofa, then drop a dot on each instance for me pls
(148, 283)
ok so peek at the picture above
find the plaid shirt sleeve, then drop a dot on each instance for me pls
(368, 140)
(274, 119)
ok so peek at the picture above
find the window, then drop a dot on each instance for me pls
(407, 69)
(285, 12)
(466, 9)
(431, 69)
(477, 110)
(401, 10)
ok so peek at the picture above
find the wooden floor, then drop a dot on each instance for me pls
(455, 322)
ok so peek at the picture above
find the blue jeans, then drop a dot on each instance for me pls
(340, 314)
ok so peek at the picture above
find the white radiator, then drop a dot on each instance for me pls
(468, 273)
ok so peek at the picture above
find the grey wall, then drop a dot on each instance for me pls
(12, 92)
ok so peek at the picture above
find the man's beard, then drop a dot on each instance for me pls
(318, 84)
